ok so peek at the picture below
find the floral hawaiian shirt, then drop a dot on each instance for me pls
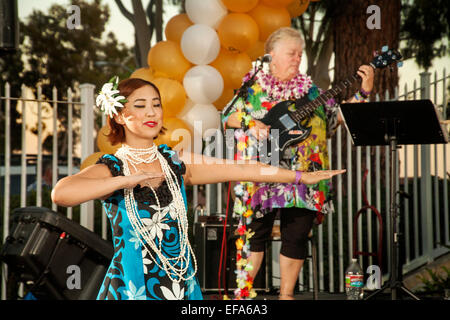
(308, 155)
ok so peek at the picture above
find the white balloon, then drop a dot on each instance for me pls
(202, 117)
(187, 106)
(209, 12)
(203, 84)
(200, 44)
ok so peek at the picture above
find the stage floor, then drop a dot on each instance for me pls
(386, 295)
(274, 296)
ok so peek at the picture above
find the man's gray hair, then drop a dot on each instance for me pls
(281, 34)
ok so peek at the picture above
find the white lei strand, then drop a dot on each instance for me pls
(135, 157)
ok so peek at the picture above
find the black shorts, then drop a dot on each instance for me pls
(295, 225)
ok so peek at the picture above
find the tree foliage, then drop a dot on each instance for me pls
(73, 53)
(147, 22)
(356, 41)
(52, 55)
(339, 27)
(316, 26)
(425, 29)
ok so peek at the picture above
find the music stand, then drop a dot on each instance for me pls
(393, 123)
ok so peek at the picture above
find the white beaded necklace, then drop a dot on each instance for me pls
(176, 267)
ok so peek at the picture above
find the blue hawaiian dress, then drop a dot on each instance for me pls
(133, 274)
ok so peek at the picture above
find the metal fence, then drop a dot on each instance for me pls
(11, 169)
(422, 173)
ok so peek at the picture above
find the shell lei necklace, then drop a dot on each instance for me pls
(176, 267)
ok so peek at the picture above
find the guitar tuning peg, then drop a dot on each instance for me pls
(384, 48)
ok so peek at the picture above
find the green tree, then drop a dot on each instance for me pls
(147, 22)
(11, 66)
(73, 53)
(53, 55)
(425, 30)
(316, 26)
(339, 27)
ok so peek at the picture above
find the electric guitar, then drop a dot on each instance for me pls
(291, 117)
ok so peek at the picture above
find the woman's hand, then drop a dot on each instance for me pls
(317, 176)
(366, 73)
(260, 130)
(144, 178)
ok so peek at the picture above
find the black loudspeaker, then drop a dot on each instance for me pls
(55, 257)
(9, 25)
(208, 246)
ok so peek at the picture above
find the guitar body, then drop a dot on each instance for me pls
(290, 132)
(291, 118)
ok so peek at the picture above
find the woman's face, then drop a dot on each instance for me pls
(286, 58)
(142, 116)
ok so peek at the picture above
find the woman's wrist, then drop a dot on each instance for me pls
(298, 177)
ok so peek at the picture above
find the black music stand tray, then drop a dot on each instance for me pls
(393, 123)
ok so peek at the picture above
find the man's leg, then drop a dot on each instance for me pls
(255, 259)
(296, 224)
(289, 270)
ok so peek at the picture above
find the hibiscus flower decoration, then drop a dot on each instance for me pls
(242, 229)
(108, 98)
(266, 105)
(315, 157)
(240, 244)
(239, 190)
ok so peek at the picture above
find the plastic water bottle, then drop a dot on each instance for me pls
(354, 281)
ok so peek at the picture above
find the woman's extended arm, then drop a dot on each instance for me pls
(205, 170)
(96, 182)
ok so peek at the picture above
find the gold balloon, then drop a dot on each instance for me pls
(91, 160)
(159, 74)
(278, 3)
(232, 66)
(103, 143)
(270, 19)
(167, 57)
(256, 51)
(225, 98)
(240, 6)
(173, 96)
(238, 32)
(176, 26)
(297, 8)
(143, 73)
(172, 124)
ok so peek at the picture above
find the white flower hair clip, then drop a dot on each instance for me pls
(108, 98)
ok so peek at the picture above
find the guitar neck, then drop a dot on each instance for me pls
(309, 107)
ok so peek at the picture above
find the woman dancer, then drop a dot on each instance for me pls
(142, 187)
